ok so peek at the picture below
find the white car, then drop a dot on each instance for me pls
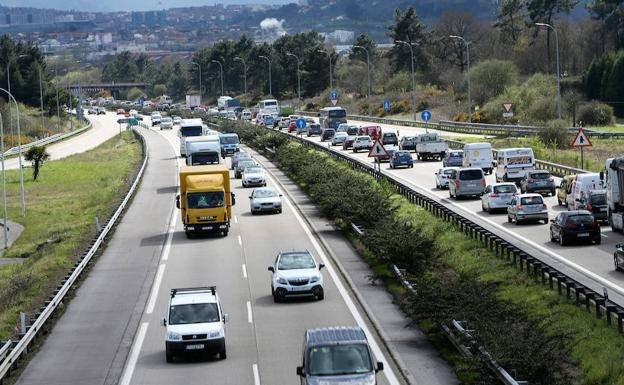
(363, 142)
(195, 323)
(294, 274)
(133, 112)
(497, 196)
(443, 176)
(254, 176)
(156, 119)
(166, 123)
(177, 120)
(265, 199)
(339, 138)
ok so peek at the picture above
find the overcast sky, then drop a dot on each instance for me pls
(127, 5)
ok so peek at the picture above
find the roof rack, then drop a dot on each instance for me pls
(199, 289)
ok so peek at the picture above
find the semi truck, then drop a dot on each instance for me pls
(203, 150)
(430, 146)
(193, 101)
(205, 199)
(614, 183)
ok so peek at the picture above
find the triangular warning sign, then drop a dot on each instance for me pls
(507, 107)
(378, 150)
(581, 139)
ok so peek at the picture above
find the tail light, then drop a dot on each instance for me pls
(520, 207)
(544, 206)
(570, 226)
(457, 184)
(529, 180)
(494, 195)
(589, 207)
(483, 182)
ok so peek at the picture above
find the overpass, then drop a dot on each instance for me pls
(113, 88)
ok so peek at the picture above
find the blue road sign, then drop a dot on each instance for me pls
(387, 105)
(333, 95)
(425, 116)
(301, 123)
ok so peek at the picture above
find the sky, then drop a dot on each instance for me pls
(126, 5)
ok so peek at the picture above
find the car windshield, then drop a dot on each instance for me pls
(205, 200)
(242, 156)
(265, 193)
(540, 175)
(470, 174)
(580, 219)
(252, 170)
(337, 113)
(195, 313)
(505, 189)
(230, 139)
(534, 200)
(403, 155)
(598, 199)
(352, 130)
(296, 261)
(243, 164)
(339, 360)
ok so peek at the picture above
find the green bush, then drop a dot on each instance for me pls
(595, 114)
(400, 83)
(288, 111)
(555, 134)
(491, 77)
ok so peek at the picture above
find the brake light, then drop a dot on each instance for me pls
(530, 180)
(544, 206)
(483, 182)
(520, 207)
(457, 184)
(493, 195)
(570, 225)
(589, 207)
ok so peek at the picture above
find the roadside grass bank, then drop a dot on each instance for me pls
(530, 330)
(61, 210)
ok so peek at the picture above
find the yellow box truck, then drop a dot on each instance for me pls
(205, 199)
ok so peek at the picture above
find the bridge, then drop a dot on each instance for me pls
(113, 88)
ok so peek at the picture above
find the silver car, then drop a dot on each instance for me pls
(265, 199)
(241, 165)
(466, 182)
(254, 176)
(339, 138)
(443, 176)
(166, 123)
(527, 207)
(241, 155)
(497, 196)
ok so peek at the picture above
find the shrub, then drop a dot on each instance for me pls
(400, 107)
(490, 78)
(288, 111)
(400, 82)
(555, 134)
(595, 114)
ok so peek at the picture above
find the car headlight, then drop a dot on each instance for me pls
(316, 278)
(214, 334)
(173, 336)
(282, 281)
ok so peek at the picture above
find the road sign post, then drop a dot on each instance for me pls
(387, 106)
(378, 151)
(581, 140)
(508, 110)
(425, 116)
(301, 124)
(333, 97)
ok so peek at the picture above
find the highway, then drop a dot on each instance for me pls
(594, 263)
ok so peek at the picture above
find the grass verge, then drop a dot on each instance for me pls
(61, 207)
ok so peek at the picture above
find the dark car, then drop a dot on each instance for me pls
(597, 205)
(401, 158)
(453, 158)
(618, 257)
(538, 181)
(389, 138)
(348, 143)
(408, 143)
(577, 225)
(314, 129)
(327, 134)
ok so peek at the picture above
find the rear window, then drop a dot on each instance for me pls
(536, 200)
(598, 199)
(540, 175)
(456, 155)
(470, 174)
(448, 172)
(580, 219)
(505, 189)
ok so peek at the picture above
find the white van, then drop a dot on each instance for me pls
(246, 115)
(202, 150)
(269, 105)
(513, 164)
(479, 155)
(581, 186)
(190, 127)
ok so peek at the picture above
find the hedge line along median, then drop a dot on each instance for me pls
(61, 207)
(530, 330)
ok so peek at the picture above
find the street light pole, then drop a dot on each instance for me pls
(368, 74)
(41, 96)
(331, 76)
(221, 67)
(200, 80)
(558, 71)
(58, 104)
(240, 59)
(269, 61)
(5, 230)
(298, 74)
(413, 78)
(19, 149)
(467, 44)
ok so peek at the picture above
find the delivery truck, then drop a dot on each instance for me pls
(203, 150)
(615, 192)
(205, 199)
(189, 128)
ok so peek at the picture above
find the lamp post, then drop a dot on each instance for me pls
(5, 230)
(413, 78)
(467, 44)
(368, 74)
(41, 95)
(200, 79)
(58, 104)
(269, 61)
(558, 71)
(240, 59)
(19, 149)
(221, 67)
(298, 74)
(331, 76)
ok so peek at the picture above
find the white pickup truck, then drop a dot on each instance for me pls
(430, 146)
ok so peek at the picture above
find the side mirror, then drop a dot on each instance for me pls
(163, 321)
(300, 371)
(178, 201)
(281, 195)
(379, 367)
(271, 269)
(552, 221)
(233, 199)
(321, 265)
(226, 318)
(250, 197)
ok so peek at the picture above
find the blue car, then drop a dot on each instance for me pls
(401, 158)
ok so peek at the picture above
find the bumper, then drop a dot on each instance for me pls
(497, 205)
(229, 151)
(541, 189)
(207, 227)
(403, 164)
(299, 291)
(181, 347)
(254, 183)
(266, 209)
(532, 216)
(601, 215)
(582, 236)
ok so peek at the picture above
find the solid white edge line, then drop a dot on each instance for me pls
(249, 314)
(155, 288)
(388, 372)
(256, 374)
(235, 219)
(240, 240)
(244, 271)
(170, 231)
(134, 355)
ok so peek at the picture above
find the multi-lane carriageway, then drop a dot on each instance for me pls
(591, 264)
(110, 332)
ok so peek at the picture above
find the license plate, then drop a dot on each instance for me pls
(299, 288)
(604, 209)
(195, 347)
(206, 227)
(583, 235)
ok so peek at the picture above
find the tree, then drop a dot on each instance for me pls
(160, 89)
(459, 24)
(510, 18)
(365, 41)
(610, 14)
(615, 85)
(408, 27)
(491, 77)
(122, 68)
(37, 155)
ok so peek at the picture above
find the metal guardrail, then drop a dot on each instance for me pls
(56, 300)
(4, 350)
(47, 140)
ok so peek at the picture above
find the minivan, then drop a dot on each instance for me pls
(337, 355)
(466, 182)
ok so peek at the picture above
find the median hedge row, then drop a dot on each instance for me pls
(528, 329)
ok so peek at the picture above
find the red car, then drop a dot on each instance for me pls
(292, 126)
(121, 111)
(373, 131)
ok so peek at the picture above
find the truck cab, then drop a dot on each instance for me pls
(229, 144)
(203, 150)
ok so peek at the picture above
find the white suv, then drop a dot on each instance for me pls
(194, 323)
(362, 143)
(295, 274)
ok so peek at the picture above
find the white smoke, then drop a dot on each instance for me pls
(272, 28)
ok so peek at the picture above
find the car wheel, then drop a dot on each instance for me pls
(559, 201)
(483, 207)
(169, 356)
(552, 192)
(615, 263)
(354, 150)
(253, 212)
(509, 218)
(552, 238)
(319, 293)
(222, 354)
(225, 232)
(562, 241)
(516, 220)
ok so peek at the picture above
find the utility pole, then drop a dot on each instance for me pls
(298, 74)
(467, 44)
(269, 61)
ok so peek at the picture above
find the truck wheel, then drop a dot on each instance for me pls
(225, 233)
(222, 354)
(169, 356)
